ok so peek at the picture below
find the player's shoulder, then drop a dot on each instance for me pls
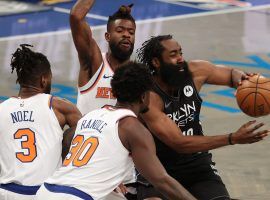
(57, 99)
(63, 105)
(155, 100)
(198, 63)
(200, 67)
(129, 123)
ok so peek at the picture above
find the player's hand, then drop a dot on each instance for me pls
(121, 189)
(248, 133)
(245, 76)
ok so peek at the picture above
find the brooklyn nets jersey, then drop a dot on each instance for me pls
(97, 161)
(184, 109)
(31, 140)
(97, 92)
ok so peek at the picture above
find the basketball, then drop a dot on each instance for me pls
(253, 96)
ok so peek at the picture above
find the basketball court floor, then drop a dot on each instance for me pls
(234, 33)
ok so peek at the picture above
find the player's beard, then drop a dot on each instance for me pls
(171, 75)
(120, 54)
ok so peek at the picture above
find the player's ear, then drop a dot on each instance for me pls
(107, 36)
(43, 81)
(144, 102)
(143, 98)
(156, 62)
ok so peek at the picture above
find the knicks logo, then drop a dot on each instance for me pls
(188, 91)
(104, 92)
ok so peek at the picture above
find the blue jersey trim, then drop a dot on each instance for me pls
(20, 189)
(67, 190)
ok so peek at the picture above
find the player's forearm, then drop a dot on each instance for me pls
(172, 190)
(193, 144)
(81, 8)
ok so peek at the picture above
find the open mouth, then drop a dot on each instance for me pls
(125, 44)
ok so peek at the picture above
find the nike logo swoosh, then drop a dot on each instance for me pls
(167, 104)
(105, 76)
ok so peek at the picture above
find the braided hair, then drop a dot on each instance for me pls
(29, 65)
(150, 49)
(122, 13)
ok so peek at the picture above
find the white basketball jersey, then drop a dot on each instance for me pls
(97, 92)
(31, 140)
(97, 161)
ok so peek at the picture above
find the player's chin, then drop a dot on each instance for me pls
(125, 49)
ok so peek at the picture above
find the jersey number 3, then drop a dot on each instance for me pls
(81, 151)
(28, 145)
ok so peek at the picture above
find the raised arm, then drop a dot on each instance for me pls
(88, 51)
(138, 140)
(170, 134)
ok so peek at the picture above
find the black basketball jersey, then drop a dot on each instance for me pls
(184, 110)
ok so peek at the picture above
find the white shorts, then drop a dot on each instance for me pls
(8, 195)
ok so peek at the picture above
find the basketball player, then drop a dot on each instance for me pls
(99, 159)
(31, 128)
(96, 68)
(173, 118)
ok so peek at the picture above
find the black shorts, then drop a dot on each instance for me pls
(204, 190)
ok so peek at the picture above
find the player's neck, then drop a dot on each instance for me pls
(164, 86)
(114, 62)
(29, 91)
(132, 107)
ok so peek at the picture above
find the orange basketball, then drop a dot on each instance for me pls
(253, 96)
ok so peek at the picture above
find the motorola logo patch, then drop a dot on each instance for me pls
(188, 91)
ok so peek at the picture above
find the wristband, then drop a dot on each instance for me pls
(230, 139)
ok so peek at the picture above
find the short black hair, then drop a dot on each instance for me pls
(122, 13)
(29, 65)
(130, 81)
(150, 49)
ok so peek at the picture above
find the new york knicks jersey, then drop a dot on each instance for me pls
(97, 92)
(97, 161)
(31, 140)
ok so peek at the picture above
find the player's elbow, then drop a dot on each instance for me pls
(161, 182)
(75, 16)
(180, 146)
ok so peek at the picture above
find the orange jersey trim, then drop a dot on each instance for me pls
(96, 81)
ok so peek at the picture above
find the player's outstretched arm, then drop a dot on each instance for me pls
(88, 51)
(168, 132)
(139, 141)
